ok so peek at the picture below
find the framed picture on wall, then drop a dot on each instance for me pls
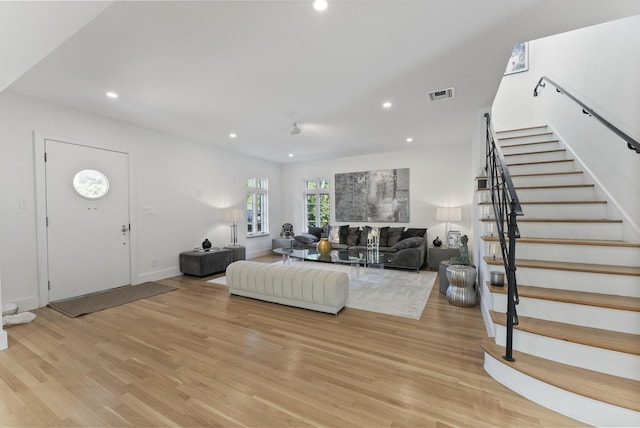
(519, 60)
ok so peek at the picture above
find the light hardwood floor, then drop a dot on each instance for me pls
(197, 357)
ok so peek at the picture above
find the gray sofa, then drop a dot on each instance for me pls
(401, 248)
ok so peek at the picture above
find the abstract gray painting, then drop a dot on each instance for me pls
(376, 196)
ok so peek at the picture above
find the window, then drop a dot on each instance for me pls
(91, 184)
(257, 206)
(317, 203)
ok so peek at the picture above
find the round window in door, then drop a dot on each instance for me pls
(91, 184)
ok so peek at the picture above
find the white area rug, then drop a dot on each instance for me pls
(386, 291)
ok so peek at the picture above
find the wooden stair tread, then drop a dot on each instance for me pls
(560, 220)
(602, 387)
(538, 174)
(538, 134)
(526, 128)
(555, 186)
(570, 266)
(539, 162)
(610, 301)
(531, 143)
(564, 241)
(552, 202)
(589, 336)
(536, 153)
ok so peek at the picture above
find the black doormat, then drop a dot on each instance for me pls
(108, 299)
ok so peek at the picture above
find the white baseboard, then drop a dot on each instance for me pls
(4, 344)
(28, 303)
(158, 275)
(257, 253)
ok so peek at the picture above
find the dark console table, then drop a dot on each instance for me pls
(203, 263)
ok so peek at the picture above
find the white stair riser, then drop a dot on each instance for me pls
(611, 231)
(620, 285)
(574, 354)
(571, 211)
(537, 129)
(535, 157)
(510, 148)
(617, 256)
(548, 180)
(507, 140)
(540, 168)
(569, 313)
(556, 194)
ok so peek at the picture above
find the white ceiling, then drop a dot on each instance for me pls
(204, 69)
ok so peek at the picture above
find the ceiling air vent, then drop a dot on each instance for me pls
(442, 94)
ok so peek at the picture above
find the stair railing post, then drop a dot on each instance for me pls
(506, 208)
(512, 290)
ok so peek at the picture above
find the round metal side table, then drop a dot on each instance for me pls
(462, 279)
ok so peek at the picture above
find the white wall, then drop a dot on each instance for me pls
(439, 176)
(191, 185)
(600, 65)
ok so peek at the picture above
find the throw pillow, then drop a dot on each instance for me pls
(344, 234)
(354, 236)
(306, 238)
(410, 233)
(364, 235)
(413, 242)
(394, 235)
(384, 236)
(334, 234)
(317, 231)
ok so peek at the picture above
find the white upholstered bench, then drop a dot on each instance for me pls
(316, 289)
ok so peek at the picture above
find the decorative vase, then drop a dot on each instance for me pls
(437, 242)
(206, 245)
(324, 246)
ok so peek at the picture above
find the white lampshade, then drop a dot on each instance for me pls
(449, 214)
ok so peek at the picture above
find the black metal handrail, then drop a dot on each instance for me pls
(631, 143)
(506, 208)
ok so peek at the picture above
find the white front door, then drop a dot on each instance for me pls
(87, 233)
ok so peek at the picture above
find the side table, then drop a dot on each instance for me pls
(281, 243)
(204, 263)
(443, 282)
(239, 252)
(435, 255)
(461, 291)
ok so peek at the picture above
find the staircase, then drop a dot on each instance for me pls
(577, 345)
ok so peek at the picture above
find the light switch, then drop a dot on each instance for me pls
(149, 211)
(23, 204)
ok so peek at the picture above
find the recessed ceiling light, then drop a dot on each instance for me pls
(233, 135)
(386, 105)
(112, 95)
(290, 155)
(410, 140)
(320, 5)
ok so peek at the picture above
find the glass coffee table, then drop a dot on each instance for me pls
(354, 258)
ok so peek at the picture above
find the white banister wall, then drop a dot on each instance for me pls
(3, 334)
(599, 66)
